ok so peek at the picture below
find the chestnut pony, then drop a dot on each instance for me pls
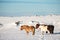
(28, 29)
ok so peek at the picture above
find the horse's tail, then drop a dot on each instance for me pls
(34, 31)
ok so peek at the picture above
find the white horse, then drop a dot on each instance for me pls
(45, 28)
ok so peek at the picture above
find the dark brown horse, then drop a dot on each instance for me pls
(28, 29)
(46, 28)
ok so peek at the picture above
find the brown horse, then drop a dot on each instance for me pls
(28, 29)
(46, 28)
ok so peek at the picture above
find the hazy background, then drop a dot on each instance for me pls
(29, 7)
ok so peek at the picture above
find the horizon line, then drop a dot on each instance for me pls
(29, 2)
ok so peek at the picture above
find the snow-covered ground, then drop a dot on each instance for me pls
(10, 31)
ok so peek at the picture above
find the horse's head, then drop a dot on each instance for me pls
(37, 26)
(17, 22)
(21, 28)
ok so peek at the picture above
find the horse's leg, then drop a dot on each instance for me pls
(33, 31)
(27, 32)
(42, 32)
(51, 32)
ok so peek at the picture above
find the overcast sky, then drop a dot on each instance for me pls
(29, 7)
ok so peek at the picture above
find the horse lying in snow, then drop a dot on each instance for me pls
(28, 29)
(45, 28)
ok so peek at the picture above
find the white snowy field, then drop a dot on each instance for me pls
(10, 31)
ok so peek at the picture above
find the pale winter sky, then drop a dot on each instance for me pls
(29, 7)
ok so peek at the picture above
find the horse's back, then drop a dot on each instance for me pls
(51, 27)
